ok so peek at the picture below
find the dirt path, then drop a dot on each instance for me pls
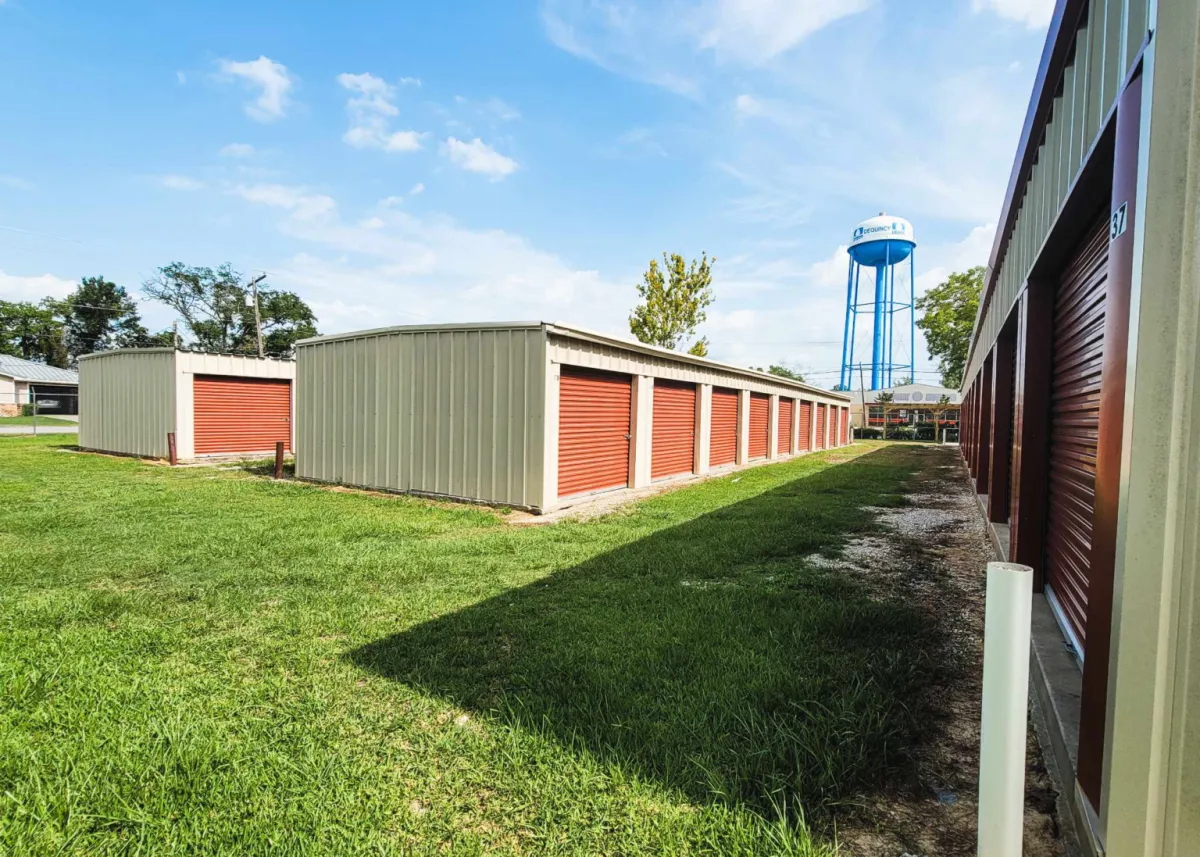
(934, 556)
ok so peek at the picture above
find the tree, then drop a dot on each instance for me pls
(212, 303)
(885, 399)
(939, 414)
(100, 315)
(673, 305)
(781, 369)
(949, 315)
(699, 347)
(33, 331)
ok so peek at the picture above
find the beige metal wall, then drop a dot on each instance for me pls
(188, 364)
(455, 411)
(1151, 801)
(127, 401)
(1104, 48)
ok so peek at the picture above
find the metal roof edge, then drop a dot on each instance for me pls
(164, 350)
(682, 357)
(420, 328)
(112, 351)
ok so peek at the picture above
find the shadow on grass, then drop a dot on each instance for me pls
(710, 655)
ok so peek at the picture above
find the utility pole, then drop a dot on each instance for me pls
(253, 296)
(175, 334)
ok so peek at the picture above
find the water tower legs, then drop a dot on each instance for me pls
(880, 333)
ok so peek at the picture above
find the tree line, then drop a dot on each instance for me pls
(213, 304)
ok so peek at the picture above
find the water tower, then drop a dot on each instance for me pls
(881, 265)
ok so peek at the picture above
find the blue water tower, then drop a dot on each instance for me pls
(878, 252)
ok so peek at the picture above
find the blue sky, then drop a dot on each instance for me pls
(461, 161)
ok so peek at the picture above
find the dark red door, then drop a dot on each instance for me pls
(673, 435)
(593, 430)
(1077, 359)
(822, 418)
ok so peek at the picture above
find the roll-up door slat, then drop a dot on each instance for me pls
(805, 439)
(1078, 359)
(822, 416)
(673, 434)
(760, 425)
(783, 431)
(240, 415)
(723, 439)
(593, 430)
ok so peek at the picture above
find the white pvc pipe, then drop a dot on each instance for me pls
(1005, 709)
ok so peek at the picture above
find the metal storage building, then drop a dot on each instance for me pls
(1079, 416)
(536, 415)
(131, 399)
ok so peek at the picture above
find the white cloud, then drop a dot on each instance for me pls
(410, 81)
(15, 182)
(272, 81)
(477, 156)
(641, 141)
(748, 104)
(17, 288)
(181, 77)
(370, 108)
(395, 267)
(753, 32)
(391, 201)
(302, 204)
(237, 150)
(177, 182)
(661, 43)
(1034, 14)
(416, 189)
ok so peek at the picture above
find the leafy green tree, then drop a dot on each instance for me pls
(100, 315)
(949, 315)
(33, 331)
(885, 399)
(781, 369)
(673, 304)
(699, 347)
(212, 303)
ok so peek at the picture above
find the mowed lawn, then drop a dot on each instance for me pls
(204, 661)
(31, 421)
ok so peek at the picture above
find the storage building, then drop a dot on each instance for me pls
(23, 382)
(536, 415)
(130, 400)
(1080, 425)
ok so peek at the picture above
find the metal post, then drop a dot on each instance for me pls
(171, 456)
(1004, 724)
(33, 400)
(877, 332)
(279, 459)
(854, 266)
(846, 326)
(912, 314)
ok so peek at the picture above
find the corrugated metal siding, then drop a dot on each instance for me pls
(760, 425)
(234, 415)
(822, 419)
(673, 433)
(1104, 47)
(783, 431)
(127, 402)
(1075, 426)
(453, 412)
(805, 438)
(723, 443)
(594, 418)
(564, 349)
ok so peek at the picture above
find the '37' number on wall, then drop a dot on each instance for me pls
(1116, 226)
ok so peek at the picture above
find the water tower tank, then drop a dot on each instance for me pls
(878, 250)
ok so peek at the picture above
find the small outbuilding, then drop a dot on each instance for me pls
(537, 415)
(23, 382)
(131, 399)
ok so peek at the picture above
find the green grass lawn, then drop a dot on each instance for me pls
(42, 421)
(208, 662)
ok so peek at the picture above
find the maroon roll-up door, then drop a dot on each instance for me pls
(783, 432)
(805, 437)
(1077, 361)
(845, 426)
(822, 411)
(760, 425)
(236, 415)
(593, 430)
(673, 436)
(722, 448)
